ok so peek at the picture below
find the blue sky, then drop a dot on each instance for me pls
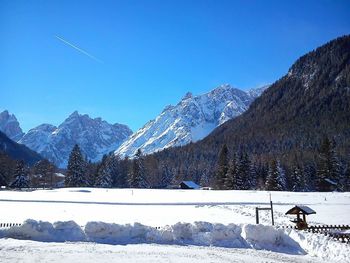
(149, 53)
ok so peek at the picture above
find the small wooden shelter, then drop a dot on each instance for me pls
(189, 185)
(300, 210)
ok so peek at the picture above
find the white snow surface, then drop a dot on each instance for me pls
(157, 207)
(192, 119)
(31, 251)
(198, 233)
(165, 220)
(246, 236)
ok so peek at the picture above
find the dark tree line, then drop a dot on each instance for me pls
(111, 171)
(327, 173)
(234, 170)
(17, 174)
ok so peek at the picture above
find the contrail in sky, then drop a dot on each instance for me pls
(79, 49)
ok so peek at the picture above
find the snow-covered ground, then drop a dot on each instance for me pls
(217, 225)
(31, 251)
(164, 207)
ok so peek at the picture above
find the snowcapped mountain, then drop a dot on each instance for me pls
(193, 118)
(17, 151)
(95, 137)
(256, 92)
(10, 126)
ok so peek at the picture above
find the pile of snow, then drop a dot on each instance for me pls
(199, 233)
(259, 237)
(321, 246)
(45, 231)
(268, 238)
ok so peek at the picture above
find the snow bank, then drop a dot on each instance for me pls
(117, 234)
(200, 233)
(321, 246)
(269, 238)
(45, 231)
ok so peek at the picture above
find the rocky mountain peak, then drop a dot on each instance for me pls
(188, 95)
(193, 118)
(10, 126)
(95, 137)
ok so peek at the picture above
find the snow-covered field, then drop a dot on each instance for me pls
(30, 251)
(164, 207)
(226, 232)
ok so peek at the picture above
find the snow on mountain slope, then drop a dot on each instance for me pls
(193, 118)
(10, 126)
(95, 137)
(256, 92)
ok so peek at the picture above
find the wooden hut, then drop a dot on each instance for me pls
(189, 185)
(300, 210)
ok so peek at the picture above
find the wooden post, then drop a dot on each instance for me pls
(273, 220)
(51, 181)
(257, 215)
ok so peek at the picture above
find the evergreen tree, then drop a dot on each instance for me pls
(205, 179)
(298, 179)
(328, 166)
(275, 180)
(222, 168)
(231, 177)
(310, 176)
(7, 166)
(179, 175)
(346, 182)
(253, 181)
(120, 172)
(3, 175)
(261, 171)
(76, 169)
(245, 175)
(238, 174)
(91, 170)
(166, 178)
(282, 179)
(104, 173)
(137, 174)
(43, 172)
(21, 176)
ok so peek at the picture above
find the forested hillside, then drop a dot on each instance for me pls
(287, 123)
(17, 151)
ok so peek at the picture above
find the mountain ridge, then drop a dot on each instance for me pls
(288, 121)
(17, 151)
(10, 126)
(95, 136)
(190, 120)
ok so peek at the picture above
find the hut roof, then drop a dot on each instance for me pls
(330, 181)
(191, 184)
(300, 208)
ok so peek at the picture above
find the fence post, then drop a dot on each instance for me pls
(257, 215)
(273, 221)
